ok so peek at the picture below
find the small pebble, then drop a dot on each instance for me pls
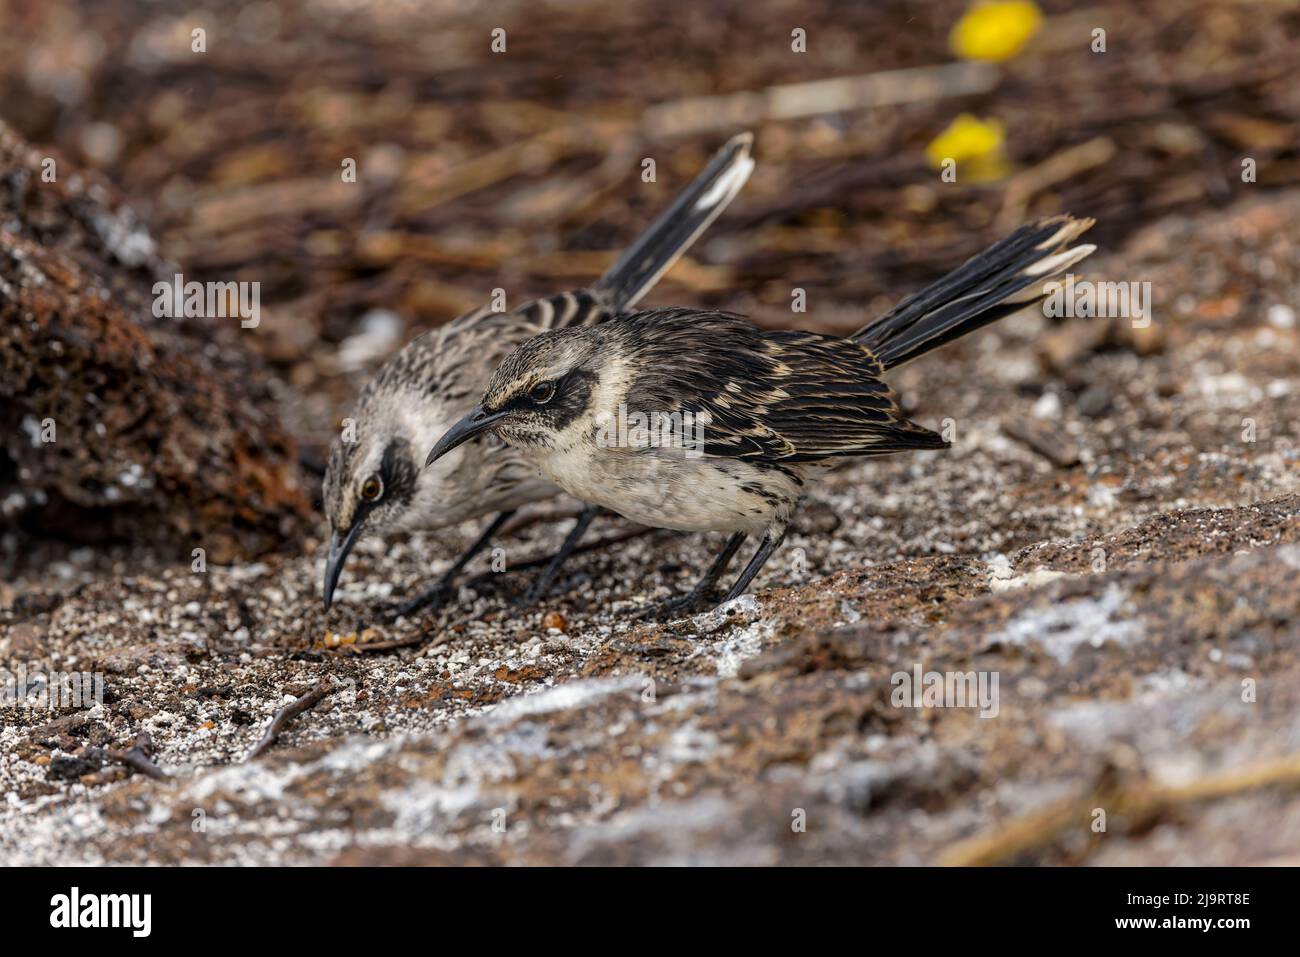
(1094, 403)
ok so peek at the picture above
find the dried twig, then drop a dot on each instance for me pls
(287, 714)
(137, 757)
(1046, 439)
(393, 644)
(582, 265)
(1139, 801)
(424, 188)
(794, 100)
(1057, 168)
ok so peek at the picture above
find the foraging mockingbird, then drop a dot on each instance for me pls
(374, 482)
(701, 421)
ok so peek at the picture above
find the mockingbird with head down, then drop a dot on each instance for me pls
(375, 483)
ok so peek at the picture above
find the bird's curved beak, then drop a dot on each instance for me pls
(340, 545)
(477, 422)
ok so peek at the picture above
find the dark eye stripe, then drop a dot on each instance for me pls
(397, 472)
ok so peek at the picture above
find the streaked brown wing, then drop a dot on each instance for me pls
(457, 359)
(779, 396)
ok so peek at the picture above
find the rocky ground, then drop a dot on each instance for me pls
(1135, 593)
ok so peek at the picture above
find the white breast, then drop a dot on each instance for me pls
(477, 479)
(666, 488)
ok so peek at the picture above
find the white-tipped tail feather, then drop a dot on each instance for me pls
(1003, 279)
(677, 228)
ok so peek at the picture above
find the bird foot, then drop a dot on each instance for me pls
(692, 603)
(427, 601)
(541, 587)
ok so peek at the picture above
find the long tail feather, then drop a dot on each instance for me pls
(677, 228)
(1003, 279)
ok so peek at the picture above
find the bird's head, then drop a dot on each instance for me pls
(540, 395)
(371, 483)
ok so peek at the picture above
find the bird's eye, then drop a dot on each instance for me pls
(542, 393)
(372, 488)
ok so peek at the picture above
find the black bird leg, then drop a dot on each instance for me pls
(769, 545)
(701, 594)
(542, 584)
(435, 597)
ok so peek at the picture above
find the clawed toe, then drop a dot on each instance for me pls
(430, 601)
(529, 598)
(682, 606)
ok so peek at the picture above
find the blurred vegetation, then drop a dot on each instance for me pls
(522, 169)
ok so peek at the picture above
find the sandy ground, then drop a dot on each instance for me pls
(1134, 592)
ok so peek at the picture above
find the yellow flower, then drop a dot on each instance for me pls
(995, 30)
(971, 141)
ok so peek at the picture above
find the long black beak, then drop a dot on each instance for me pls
(340, 545)
(476, 423)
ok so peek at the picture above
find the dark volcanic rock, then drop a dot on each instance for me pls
(114, 422)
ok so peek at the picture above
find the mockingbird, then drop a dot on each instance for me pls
(701, 421)
(374, 482)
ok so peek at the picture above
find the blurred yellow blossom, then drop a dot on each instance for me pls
(975, 145)
(995, 30)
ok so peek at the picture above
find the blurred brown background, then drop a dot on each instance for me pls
(521, 170)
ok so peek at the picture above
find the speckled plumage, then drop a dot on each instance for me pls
(774, 407)
(758, 413)
(426, 387)
(436, 379)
